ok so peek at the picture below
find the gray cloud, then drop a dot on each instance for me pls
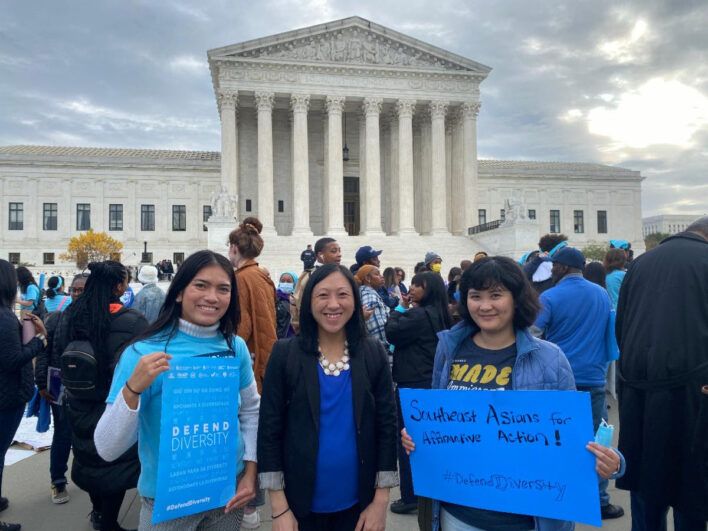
(134, 74)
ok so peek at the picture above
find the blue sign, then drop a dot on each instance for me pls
(521, 452)
(198, 437)
(128, 297)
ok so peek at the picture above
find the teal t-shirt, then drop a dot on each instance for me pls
(59, 302)
(32, 294)
(182, 345)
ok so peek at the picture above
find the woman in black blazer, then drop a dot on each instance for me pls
(327, 427)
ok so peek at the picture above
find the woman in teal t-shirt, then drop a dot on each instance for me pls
(614, 263)
(57, 300)
(199, 318)
(30, 296)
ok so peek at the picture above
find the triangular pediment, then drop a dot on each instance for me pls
(350, 41)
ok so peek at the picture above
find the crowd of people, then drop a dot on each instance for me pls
(322, 355)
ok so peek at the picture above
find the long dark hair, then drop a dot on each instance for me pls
(24, 278)
(8, 284)
(54, 285)
(355, 328)
(500, 271)
(389, 275)
(167, 323)
(434, 294)
(595, 272)
(90, 314)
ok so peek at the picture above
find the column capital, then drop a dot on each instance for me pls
(438, 109)
(405, 108)
(228, 101)
(372, 106)
(265, 101)
(334, 104)
(470, 109)
(299, 102)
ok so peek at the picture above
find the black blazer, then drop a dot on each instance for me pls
(288, 426)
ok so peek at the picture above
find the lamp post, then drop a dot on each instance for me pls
(145, 258)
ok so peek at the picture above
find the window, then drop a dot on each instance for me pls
(532, 213)
(49, 218)
(147, 217)
(482, 216)
(281, 205)
(177, 259)
(555, 220)
(602, 221)
(13, 258)
(502, 214)
(17, 216)
(83, 216)
(179, 217)
(206, 214)
(248, 205)
(115, 217)
(578, 221)
(48, 258)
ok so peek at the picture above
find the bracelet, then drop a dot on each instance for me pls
(130, 389)
(273, 517)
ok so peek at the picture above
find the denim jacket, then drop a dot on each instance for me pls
(149, 301)
(539, 365)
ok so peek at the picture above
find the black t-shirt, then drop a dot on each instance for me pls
(475, 368)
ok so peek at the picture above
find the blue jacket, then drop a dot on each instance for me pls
(149, 301)
(539, 365)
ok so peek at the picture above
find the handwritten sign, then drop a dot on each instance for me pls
(198, 437)
(514, 451)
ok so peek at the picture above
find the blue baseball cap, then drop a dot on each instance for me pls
(366, 253)
(571, 257)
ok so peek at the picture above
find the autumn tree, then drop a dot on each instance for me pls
(91, 246)
(652, 240)
(596, 251)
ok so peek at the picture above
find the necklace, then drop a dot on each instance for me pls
(334, 369)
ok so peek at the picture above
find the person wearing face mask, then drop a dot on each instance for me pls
(433, 262)
(283, 294)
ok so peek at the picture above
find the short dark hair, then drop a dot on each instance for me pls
(8, 284)
(355, 328)
(403, 273)
(501, 271)
(322, 243)
(615, 260)
(419, 268)
(549, 241)
(595, 273)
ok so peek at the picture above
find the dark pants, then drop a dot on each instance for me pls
(9, 420)
(599, 412)
(340, 521)
(109, 507)
(404, 462)
(61, 446)
(647, 517)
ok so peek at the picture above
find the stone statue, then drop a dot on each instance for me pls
(223, 204)
(514, 211)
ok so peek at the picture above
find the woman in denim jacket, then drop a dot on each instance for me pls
(497, 306)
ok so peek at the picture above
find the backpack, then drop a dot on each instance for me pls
(80, 371)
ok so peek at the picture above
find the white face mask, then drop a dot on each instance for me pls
(286, 287)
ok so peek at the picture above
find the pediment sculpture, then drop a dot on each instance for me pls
(223, 204)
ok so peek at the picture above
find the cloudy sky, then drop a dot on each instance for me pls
(594, 81)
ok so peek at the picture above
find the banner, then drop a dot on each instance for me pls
(198, 437)
(521, 452)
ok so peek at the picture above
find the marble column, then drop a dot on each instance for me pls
(457, 190)
(448, 171)
(393, 180)
(228, 108)
(266, 212)
(426, 173)
(301, 170)
(361, 123)
(334, 224)
(470, 110)
(406, 190)
(438, 110)
(372, 223)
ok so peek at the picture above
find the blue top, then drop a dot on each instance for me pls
(337, 473)
(614, 283)
(574, 316)
(58, 301)
(32, 294)
(182, 345)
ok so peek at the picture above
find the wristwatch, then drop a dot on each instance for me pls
(42, 338)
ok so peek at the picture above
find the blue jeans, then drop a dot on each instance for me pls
(599, 412)
(61, 446)
(10, 421)
(646, 517)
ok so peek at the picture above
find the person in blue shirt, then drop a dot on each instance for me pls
(57, 300)
(614, 263)
(199, 318)
(30, 296)
(575, 315)
(499, 305)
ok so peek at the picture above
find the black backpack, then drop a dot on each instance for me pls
(80, 371)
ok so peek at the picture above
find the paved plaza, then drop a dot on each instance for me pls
(27, 486)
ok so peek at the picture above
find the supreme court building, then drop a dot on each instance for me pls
(348, 129)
